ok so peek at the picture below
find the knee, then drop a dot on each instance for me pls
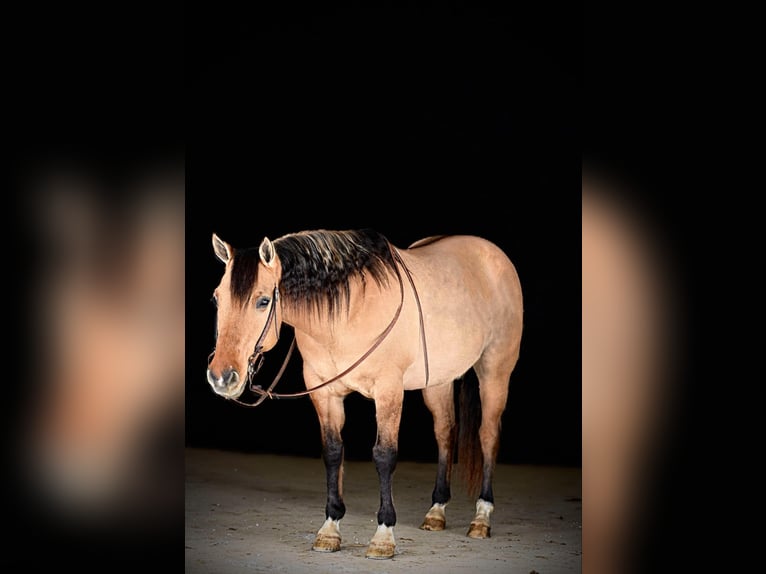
(333, 450)
(384, 457)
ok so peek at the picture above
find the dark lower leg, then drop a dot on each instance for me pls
(489, 435)
(435, 518)
(486, 483)
(332, 452)
(385, 463)
(440, 402)
(442, 493)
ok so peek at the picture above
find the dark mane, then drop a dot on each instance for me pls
(317, 267)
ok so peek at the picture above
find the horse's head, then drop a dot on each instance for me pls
(249, 314)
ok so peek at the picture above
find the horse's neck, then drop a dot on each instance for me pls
(316, 326)
(330, 332)
(297, 319)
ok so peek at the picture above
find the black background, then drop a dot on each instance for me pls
(415, 121)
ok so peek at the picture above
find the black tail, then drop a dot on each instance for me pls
(469, 456)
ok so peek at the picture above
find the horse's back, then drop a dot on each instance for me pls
(477, 260)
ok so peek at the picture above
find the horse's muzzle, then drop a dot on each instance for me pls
(227, 384)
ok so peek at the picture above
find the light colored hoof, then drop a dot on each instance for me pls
(328, 537)
(324, 543)
(478, 530)
(480, 524)
(383, 544)
(433, 523)
(435, 518)
(380, 550)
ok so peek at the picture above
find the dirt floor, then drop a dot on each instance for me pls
(259, 513)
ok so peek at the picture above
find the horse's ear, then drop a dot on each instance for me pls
(267, 253)
(222, 249)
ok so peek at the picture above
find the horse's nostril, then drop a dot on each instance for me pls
(228, 378)
(231, 377)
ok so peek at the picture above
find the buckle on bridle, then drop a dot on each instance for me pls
(254, 363)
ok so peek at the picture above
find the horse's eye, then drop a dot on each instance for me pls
(262, 303)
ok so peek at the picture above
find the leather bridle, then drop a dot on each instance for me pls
(255, 361)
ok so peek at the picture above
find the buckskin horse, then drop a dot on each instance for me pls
(374, 319)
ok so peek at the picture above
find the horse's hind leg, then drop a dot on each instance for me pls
(493, 377)
(331, 419)
(440, 401)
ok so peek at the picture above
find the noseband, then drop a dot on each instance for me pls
(255, 361)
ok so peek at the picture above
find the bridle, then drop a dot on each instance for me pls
(255, 361)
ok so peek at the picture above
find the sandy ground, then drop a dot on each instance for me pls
(259, 513)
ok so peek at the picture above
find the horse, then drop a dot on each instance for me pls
(378, 320)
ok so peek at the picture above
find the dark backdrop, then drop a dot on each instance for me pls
(427, 120)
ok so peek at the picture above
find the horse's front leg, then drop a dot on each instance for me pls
(331, 418)
(388, 414)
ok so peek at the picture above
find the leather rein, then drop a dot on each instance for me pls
(255, 361)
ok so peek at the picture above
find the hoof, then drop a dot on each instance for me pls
(478, 530)
(435, 518)
(383, 545)
(480, 525)
(433, 523)
(380, 550)
(324, 543)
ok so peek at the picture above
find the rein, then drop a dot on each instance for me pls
(255, 361)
